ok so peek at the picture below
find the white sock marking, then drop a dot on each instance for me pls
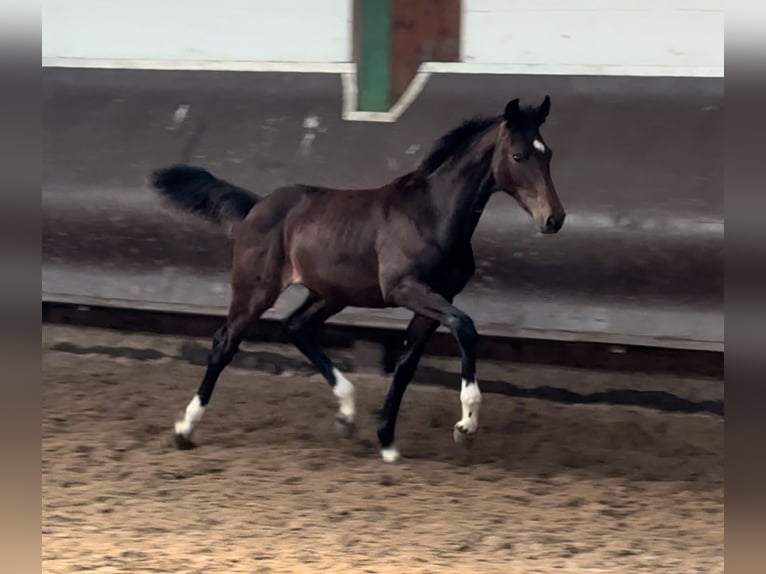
(539, 146)
(193, 414)
(390, 454)
(344, 391)
(470, 400)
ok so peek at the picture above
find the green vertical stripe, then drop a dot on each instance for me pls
(375, 55)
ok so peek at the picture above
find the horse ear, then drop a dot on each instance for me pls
(512, 111)
(542, 111)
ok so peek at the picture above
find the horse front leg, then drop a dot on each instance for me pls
(419, 331)
(421, 299)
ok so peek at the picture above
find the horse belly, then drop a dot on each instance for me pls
(348, 274)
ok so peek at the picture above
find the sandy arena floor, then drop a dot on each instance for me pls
(547, 487)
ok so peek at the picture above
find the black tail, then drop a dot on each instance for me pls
(198, 191)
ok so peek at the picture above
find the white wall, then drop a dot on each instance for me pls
(188, 30)
(678, 37)
(624, 37)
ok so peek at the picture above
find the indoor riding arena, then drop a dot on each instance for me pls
(600, 350)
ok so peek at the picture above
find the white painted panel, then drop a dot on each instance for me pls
(577, 5)
(180, 30)
(682, 36)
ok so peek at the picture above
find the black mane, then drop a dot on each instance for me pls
(454, 142)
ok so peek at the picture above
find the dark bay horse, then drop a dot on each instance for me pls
(406, 244)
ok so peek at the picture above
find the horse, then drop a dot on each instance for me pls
(405, 244)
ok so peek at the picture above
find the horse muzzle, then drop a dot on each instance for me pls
(552, 223)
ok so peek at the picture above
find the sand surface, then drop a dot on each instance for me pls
(547, 487)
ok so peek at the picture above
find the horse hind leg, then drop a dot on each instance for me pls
(301, 328)
(247, 307)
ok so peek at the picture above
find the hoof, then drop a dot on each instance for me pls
(390, 455)
(182, 443)
(344, 427)
(462, 436)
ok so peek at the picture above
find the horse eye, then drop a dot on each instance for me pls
(518, 157)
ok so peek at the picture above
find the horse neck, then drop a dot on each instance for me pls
(461, 188)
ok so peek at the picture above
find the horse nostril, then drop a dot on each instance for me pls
(551, 224)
